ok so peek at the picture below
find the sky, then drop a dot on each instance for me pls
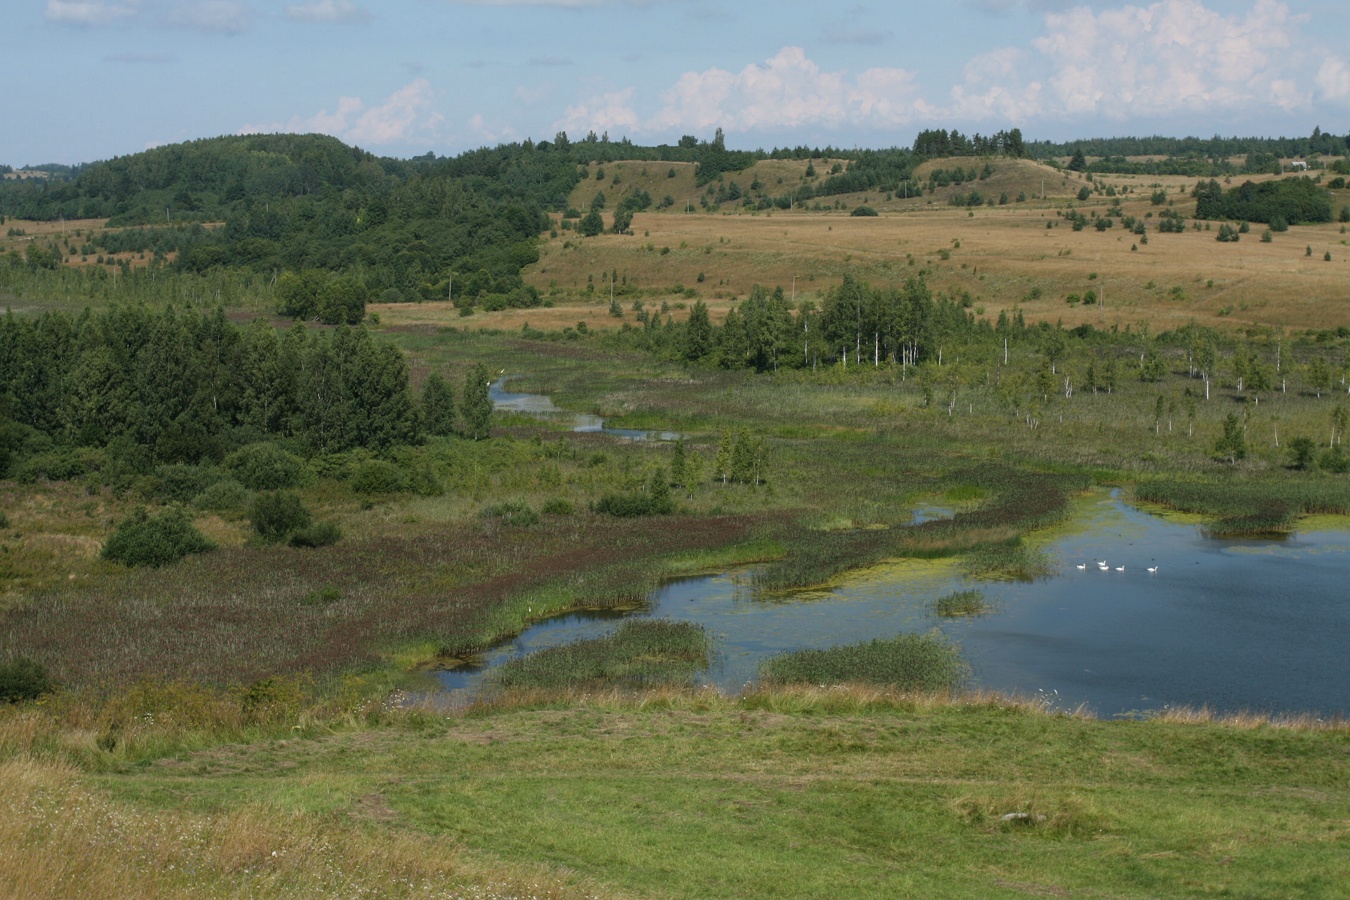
(92, 79)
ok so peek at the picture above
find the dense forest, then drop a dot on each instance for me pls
(1215, 148)
(163, 386)
(1291, 201)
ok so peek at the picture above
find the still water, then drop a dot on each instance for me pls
(1231, 624)
(1260, 625)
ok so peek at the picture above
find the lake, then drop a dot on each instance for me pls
(1259, 625)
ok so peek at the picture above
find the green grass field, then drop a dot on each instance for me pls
(803, 793)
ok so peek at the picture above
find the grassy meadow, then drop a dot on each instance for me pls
(1003, 256)
(248, 721)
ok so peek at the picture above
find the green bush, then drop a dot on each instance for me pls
(377, 476)
(145, 540)
(179, 483)
(629, 505)
(277, 514)
(558, 506)
(520, 515)
(22, 679)
(56, 465)
(1335, 461)
(320, 534)
(265, 467)
(224, 496)
(863, 211)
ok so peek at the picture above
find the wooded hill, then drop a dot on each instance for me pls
(338, 220)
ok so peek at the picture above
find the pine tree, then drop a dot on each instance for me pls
(679, 465)
(438, 405)
(475, 409)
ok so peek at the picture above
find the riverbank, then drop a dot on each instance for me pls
(787, 793)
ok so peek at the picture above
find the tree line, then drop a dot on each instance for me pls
(190, 388)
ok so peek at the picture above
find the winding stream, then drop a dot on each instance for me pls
(1260, 625)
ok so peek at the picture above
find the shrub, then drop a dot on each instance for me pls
(629, 505)
(56, 465)
(277, 514)
(320, 534)
(179, 483)
(520, 515)
(863, 211)
(22, 679)
(145, 540)
(558, 506)
(264, 467)
(1334, 460)
(224, 496)
(378, 476)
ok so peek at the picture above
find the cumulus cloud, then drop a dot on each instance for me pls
(787, 91)
(603, 112)
(221, 16)
(1167, 58)
(405, 116)
(88, 12)
(1333, 79)
(326, 11)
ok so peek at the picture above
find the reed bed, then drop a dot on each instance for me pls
(242, 614)
(961, 603)
(641, 653)
(905, 662)
(1251, 507)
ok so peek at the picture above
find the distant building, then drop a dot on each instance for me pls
(1298, 165)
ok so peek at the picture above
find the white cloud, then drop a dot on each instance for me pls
(604, 112)
(402, 118)
(87, 12)
(488, 133)
(326, 11)
(1168, 58)
(1333, 79)
(221, 16)
(787, 91)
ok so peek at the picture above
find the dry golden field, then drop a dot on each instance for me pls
(1000, 255)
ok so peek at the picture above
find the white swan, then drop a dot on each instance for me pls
(1152, 569)
(1120, 568)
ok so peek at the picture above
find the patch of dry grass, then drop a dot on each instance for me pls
(63, 839)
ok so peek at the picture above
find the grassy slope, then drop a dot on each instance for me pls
(815, 793)
(1004, 253)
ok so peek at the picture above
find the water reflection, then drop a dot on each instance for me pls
(1232, 624)
(541, 405)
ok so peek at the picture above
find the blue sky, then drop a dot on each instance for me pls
(92, 79)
